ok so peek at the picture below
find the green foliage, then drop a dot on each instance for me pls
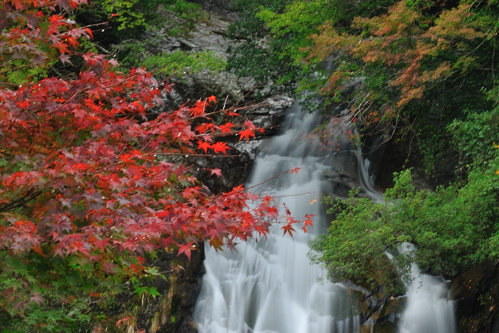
(448, 51)
(354, 247)
(131, 18)
(128, 15)
(453, 228)
(474, 136)
(133, 14)
(65, 295)
(180, 16)
(257, 55)
(300, 19)
(179, 63)
(23, 73)
(451, 225)
(274, 36)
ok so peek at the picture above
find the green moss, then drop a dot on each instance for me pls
(180, 63)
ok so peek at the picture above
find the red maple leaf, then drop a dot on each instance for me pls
(217, 172)
(226, 128)
(99, 244)
(246, 134)
(204, 145)
(204, 127)
(295, 170)
(198, 110)
(220, 147)
(288, 228)
(185, 248)
(307, 222)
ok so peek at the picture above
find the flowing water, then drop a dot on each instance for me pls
(268, 285)
(428, 306)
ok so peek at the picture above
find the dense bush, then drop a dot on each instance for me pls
(453, 228)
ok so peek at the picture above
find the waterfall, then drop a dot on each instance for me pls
(268, 285)
(428, 306)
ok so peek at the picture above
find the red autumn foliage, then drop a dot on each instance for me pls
(85, 172)
(83, 162)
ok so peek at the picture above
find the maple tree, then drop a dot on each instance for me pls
(403, 69)
(398, 40)
(91, 183)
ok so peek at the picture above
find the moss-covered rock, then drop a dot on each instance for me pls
(171, 312)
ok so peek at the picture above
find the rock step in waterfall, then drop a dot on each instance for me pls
(268, 285)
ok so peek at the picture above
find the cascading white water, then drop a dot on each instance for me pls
(268, 285)
(428, 309)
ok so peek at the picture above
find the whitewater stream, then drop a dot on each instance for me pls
(268, 285)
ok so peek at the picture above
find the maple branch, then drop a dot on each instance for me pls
(267, 180)
(198, 155)
(76, 93)
(30, 195)
(293, 195)
(258, 135)
(237, 108)
(128, 78)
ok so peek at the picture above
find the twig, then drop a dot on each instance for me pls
(198, 155)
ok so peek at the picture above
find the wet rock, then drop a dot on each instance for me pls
(171, 312)
(476, 293)
(207, 35)
(386, 327)
(380, 304)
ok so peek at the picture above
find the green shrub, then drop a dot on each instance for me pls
(453, 228)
